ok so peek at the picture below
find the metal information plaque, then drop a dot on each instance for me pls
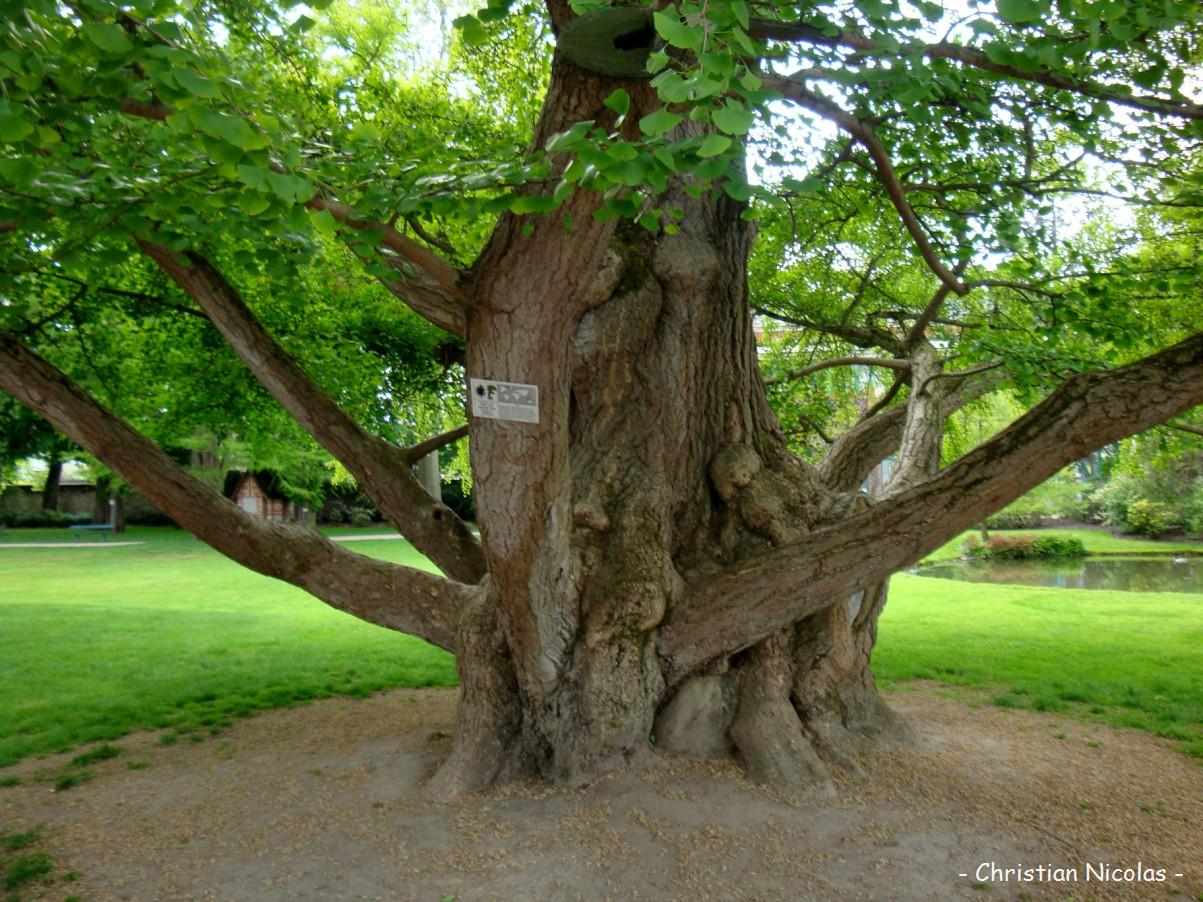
(505, 400)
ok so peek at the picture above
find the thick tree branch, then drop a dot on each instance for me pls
(839, 361)
(855, 453)
(415, 453)
(429, 284)
(923, 432)
(861, 336)
(381, 469)
(146, 109)
(391, 595)
(1186, 427)
(933, 306)
(865, 134)
(754, 599)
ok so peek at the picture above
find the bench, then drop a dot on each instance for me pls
(105, 529)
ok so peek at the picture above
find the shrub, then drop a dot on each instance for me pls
(1015, 519)
(1193, 512)
(1060, 497)
(361, 517)
(1024, 546)
(36, 519)
(1114, 498)
(1149, 518)
(148, 518)
(1058, 546)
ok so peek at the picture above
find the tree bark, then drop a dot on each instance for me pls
(659, 564)
(54, 475)
(655, 463)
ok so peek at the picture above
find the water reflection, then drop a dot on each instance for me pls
(1123, 574)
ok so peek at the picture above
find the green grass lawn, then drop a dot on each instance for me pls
(1096, 541)
(97, 642)
(1127, 658)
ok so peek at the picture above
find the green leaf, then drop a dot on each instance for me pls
(566, 140)
(714, 145)
(471, 30)
(231, 129)
(254, 176)
(108, 37)
(1020, 11)
(290, 187)
(531, 204)
(659, 122)
(619, 102)
(196, 84)
(740, 8)
(364, 131)
(563, 191)
(666, 158)
(620, 152)
(324, 222)
(733, 118)
(671, 87)
(676, 32)
(607, 212)
(253, 204)
(630, 173)
(737, 189)
(13, 128)
(657, 61)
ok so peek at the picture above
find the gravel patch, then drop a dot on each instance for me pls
(324, 802)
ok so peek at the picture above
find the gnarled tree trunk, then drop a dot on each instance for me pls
(656, 462)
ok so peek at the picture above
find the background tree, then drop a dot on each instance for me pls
(653, 557)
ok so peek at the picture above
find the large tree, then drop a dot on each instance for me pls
(654, 560)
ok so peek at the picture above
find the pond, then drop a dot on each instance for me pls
(1126, 574)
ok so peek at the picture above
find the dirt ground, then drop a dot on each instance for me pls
(324, 802)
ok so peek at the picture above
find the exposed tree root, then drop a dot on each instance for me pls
(489, 717)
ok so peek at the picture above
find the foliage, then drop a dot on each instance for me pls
(1155, 489)
(1061, 497)
(41, 518)
(214, 128)
(1095, 541)
(1024, 546)
(1115, 496)
(1193, 512)
(1148, 518)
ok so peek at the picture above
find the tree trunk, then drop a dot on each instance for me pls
(117, 512)
(655, 462)
(54, 476)
(429, 476)
(100, 506)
